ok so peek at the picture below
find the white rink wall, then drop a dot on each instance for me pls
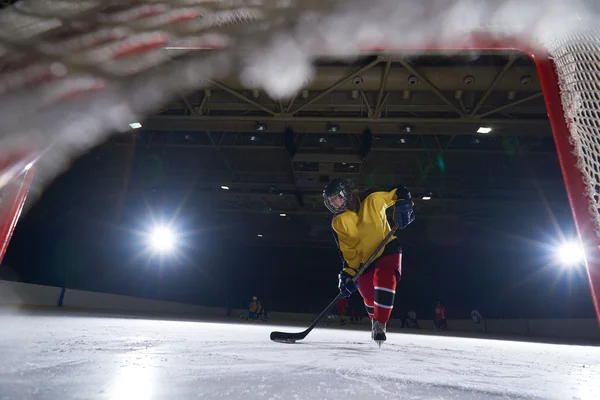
(20, 295)
(112, 302)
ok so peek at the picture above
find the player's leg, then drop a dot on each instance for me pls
(386, 277)
(365, 288)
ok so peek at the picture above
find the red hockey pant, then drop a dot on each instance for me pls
(378, 287)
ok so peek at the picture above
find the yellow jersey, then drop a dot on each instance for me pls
(359, 233)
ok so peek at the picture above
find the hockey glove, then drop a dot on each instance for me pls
(347, 286)
(404, 212)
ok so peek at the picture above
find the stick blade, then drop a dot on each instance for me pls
(285, 337)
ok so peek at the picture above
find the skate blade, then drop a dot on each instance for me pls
(379, 343)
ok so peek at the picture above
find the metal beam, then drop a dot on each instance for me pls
(245, 147)
(516, 103)
(415, 120)
(223, 157)
(431, 86)
(363, 96)
(384, 79)
(242, 97)
(210, 137)
(493, 85)
(445, 78)
(350, 108)
(329, 158)
(344, 80)
(381, 126)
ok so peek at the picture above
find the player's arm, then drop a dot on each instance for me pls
(351, 261)
(399, 206)
(347, 248)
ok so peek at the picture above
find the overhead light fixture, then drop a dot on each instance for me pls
(322, 140)
(402, 141)
(259, 235)
(135, 125)
(571, 253)
(283, 215)
(261, 127)
(225, 187)
(333, 128)
(162, 239)
(254, 138)
(484, 129)
(426, 198)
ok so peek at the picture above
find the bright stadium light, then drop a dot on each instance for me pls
(135, 125)
(570, 253)
(162, 239)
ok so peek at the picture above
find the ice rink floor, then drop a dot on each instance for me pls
(65, 356)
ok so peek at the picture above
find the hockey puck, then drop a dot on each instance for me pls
(284, 340)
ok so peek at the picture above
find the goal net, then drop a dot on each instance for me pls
(74, 72)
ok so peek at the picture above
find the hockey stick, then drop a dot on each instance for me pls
(286, 337)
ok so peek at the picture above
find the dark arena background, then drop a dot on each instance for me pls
(163, 162)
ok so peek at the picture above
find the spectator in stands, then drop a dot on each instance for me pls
(262, 311)
(412, 320)
(341, 307)
(253, 308)
(402, 317)
(440, 317)
(476, 317)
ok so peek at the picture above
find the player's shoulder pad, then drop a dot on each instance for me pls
(336, 221)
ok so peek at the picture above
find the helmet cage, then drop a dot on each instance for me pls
(338, 201)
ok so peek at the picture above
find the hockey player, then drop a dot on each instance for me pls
(361, 222)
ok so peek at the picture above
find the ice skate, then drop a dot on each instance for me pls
(378, 332)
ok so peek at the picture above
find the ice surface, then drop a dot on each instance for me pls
(87, 357)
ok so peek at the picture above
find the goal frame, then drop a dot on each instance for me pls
(572, 176)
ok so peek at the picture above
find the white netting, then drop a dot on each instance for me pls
(75, 71)
(577, 59)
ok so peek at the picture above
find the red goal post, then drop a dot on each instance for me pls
(568, 69)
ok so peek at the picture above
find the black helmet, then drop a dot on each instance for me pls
(338, 195)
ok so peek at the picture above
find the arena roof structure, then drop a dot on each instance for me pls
(467, 133)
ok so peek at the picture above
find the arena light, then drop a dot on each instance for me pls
(225, 187)
(570, 253)
(162, 239)
(135, 125)
(426, 198)
(484, 129)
